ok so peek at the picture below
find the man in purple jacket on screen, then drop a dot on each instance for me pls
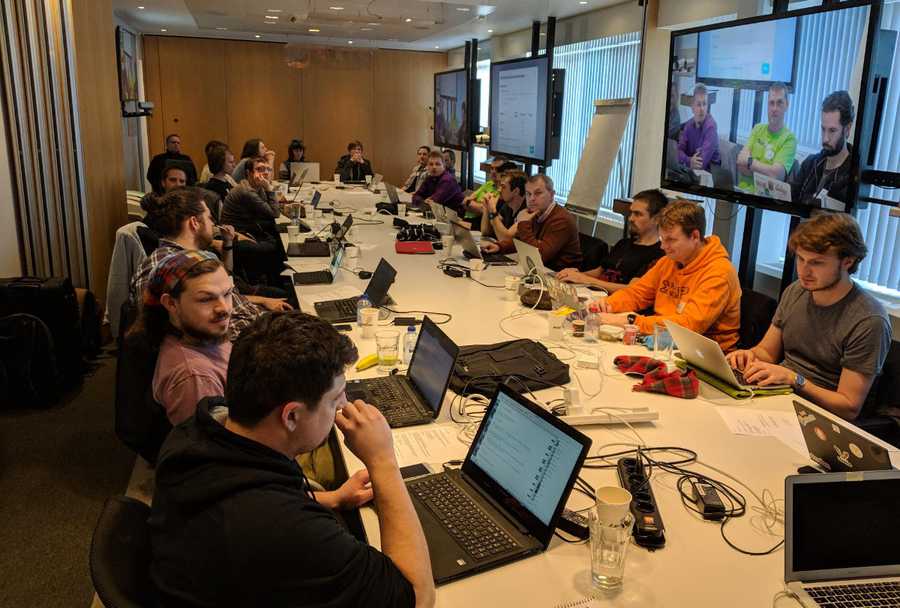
(440, 186)
(698, 146)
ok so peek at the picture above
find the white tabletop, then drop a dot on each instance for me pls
(696, 567)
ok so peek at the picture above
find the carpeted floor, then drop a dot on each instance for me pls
(57, 467)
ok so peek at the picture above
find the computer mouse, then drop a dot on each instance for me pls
(364, 274)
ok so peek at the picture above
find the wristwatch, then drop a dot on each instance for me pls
(491, 215)
(799, 380)
(749, 162)
(631, 318)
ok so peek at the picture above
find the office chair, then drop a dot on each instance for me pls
(120, 555)
(885, 393)
(592, 251)
(757, 311)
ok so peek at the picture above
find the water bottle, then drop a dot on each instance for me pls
(592, 324)
(409, 344)
(362, 303)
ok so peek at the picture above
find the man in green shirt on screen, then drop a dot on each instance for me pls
(771, 147)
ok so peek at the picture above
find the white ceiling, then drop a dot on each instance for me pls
(400, 24)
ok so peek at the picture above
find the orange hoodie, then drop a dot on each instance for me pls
(704, 296)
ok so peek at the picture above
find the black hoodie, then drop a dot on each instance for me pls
(233, 525)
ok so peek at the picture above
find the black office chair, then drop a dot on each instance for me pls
(592, 251)
(885, 393)
(120, 555)
(141, 422)
(757, 311)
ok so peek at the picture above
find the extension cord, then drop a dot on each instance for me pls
(588, 361)
(614, 418)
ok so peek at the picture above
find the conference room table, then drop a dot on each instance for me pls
(696, 567)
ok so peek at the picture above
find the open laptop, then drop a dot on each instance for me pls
(442, 213)
(304, 172)
(837, 445)
(706, 354)
(530, 260)
(471, 250)
(376, 180)
(415, 398)
(841, 538)
(344, 310)
(504, 503)
(318, 277)
(310, 248)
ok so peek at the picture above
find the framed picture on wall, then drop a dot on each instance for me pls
(126, 43)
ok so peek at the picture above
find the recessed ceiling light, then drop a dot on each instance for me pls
(140, 8)
(314, 30)
(490, 31)
(257, 36)
(336, 8)
(463, 9)
(164, 30)
(373, 23)
(273, 10)
(582, 2)
(437, 47)
(221, 29)
(349, 42)
(365, 29)
(271, 16)
(408, 19)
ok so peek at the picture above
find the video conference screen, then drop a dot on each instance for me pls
(764, 113)
(450, 127)
(518, 118)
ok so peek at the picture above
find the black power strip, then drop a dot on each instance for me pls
(648, 530)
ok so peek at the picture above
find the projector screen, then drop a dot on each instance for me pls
(518, 107)
(450, 126)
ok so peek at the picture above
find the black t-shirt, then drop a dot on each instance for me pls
(506, 213)
(232, 525)
(627, 260)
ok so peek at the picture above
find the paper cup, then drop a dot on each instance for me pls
(401, 209)
(512, 287)
(337, 178)
(476, 265)
(369, 318)
(612, 503)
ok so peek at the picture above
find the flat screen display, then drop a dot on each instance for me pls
(450, 126)
(759, 114)
(518, 106)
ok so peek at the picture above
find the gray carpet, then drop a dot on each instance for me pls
(57, 467)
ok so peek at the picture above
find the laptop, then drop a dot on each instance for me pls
(344, 310)
(530, 260)
(392, 194)
(504, 503)
(841, 538)
(771, 187)
(471, 250)
(415, 398)
(376, 180)
(318, 277)
(837, 445)
(706, 354)
(304, 172)
(442, 213)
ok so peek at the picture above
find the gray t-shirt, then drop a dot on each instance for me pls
(819, 341)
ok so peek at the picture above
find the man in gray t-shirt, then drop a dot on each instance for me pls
(829, 338)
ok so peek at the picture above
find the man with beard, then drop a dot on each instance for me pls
(631, 257)
(829, 338)
(252, 206)
(187, 310)
(830, 169)
(419, 171)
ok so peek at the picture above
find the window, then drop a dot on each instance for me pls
(605, 68)
(880, 271)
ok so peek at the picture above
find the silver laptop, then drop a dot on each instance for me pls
(376, 180)
(471, 250)
(841, 539)
(304, 172)
(530, 260)
(442, 213)
(706, 354)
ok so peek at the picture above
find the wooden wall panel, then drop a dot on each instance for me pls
(264, 96)
(100, 128)
(152, 93)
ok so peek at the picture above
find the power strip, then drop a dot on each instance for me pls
(613, 418)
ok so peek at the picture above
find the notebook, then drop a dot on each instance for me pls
(505, 501)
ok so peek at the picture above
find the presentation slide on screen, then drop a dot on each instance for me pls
(450, 110)
(746, 109)
(527, 456)
(519, 108)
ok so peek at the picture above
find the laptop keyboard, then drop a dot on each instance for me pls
(466, 522)
(389, 396)
(312, 278)
(345, 308)
(853, 595)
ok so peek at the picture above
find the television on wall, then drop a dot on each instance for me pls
(746, 113)
(520, 101)
(451, 128)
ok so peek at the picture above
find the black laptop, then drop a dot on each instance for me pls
(319, 277)
(344, 310)
(417, 397)
(505, 501)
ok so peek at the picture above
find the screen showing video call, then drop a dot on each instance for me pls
(768, 109)
(450, 129)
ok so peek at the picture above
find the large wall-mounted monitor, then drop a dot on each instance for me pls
(745, 120)
(519, 103)
(451, 130)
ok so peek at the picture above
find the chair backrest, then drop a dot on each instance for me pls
(141, 422)
(149, 239)
(757, 311)
(887, 386)
(592, 251)
(121, 554)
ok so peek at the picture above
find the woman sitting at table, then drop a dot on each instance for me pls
(296, 154)
(439, 187)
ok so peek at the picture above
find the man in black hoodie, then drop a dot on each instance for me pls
(234, 522)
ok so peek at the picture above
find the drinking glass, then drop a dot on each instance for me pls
(610, 524)
(388, 349)
(662, 342)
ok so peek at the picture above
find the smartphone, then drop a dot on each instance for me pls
(344, 327)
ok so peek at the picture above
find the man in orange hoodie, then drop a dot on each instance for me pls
(695, 285)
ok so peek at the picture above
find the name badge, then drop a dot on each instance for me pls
(770, 152)
(680, 308)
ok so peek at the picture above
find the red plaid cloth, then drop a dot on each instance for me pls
(656, 379)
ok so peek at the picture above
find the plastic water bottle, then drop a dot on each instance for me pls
(409, 344)
(592, 324)
(362, 303)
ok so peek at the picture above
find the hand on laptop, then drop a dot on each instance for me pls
(273, 304)
(490, 247)
(740, 359)
(366, 433)
(765, 374)
(571, 275)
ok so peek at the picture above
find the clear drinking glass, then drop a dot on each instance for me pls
(662, 343)
(609, 545)
(387, 343)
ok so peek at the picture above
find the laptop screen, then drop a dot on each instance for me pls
(838, 524)
(336, 260)
(527, 456)
(432, 363)
(381, 281)
(315, 199)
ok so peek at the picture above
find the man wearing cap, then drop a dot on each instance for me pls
(186, 314)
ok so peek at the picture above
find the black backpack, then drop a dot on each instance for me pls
(524, 365)
(28, 372)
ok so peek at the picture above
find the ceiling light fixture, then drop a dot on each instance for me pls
(140, 8)
(437, 47)
(463, 9)
(164, 30)
(221, 29)
(408, 20)
(373, 23)
(257, 36)
(349, 42)
(336, 8)
(273, 10)
(271, 16)
(365, 29)
(582, 2)
(490, 31)
(314, 30)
